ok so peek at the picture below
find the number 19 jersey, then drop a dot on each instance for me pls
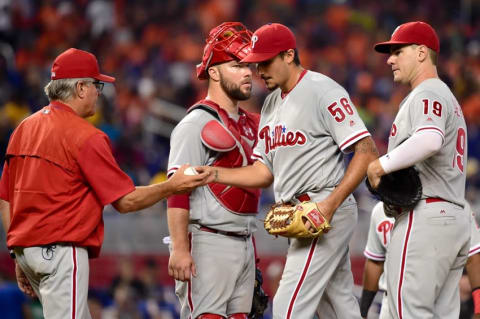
(431, 106)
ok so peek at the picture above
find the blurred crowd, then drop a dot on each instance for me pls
(152, 47)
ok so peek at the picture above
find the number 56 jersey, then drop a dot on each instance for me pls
(303, 134)
(431, 106)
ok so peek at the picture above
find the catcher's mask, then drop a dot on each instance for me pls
(226, 42)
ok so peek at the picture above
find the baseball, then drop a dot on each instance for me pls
(190, 171)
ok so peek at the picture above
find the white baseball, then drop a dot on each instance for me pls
(190, 171)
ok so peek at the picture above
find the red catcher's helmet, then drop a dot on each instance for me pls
(226, 42)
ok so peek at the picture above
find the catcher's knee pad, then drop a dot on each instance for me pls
(238, 316)
(210, 316)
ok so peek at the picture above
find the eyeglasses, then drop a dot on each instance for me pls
(98, 85)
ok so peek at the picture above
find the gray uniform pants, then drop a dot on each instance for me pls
(317, 275)
(59, 276)
(427, 251)
(225, 276)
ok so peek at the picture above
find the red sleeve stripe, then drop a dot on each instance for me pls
(431, 128)
(353, 139)
(172, 170)
(373, 256)
(474, 250)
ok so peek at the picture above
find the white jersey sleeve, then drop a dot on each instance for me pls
(428, 113)
(186, 145)
(378, 234)
(341, 117)
(259, 153)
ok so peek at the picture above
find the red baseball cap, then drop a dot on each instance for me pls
(417, 32)
(75, 63)
(268, 41)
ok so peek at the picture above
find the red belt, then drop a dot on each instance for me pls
(303, 197)
(434, 200)
(226, 233)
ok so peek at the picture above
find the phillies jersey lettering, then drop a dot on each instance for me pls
(280, 137)
(378, 239)
(384, 228)
(431, 106)
(303, 135)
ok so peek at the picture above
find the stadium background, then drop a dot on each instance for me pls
(151, 47)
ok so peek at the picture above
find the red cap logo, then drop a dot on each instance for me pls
(270, 40)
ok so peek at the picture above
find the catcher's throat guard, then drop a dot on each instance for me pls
(289, 220)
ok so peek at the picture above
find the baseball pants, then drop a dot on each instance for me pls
(59, 276)
(225, 275)
(425, 258)
(317, 275)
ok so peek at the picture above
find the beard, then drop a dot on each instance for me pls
(234, 91)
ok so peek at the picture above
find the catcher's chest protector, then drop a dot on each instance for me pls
(235, 199)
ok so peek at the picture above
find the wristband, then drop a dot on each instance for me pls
(476, 300)
(366, 301)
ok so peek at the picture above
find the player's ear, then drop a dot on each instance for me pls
(422, 53)
(289, 56)
(214, 73)
(80, 89)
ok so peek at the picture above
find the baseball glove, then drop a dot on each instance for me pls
(260, 299)
(289, 221)
(401, 188)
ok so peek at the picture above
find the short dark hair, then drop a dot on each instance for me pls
(433, 56)
(296, 58)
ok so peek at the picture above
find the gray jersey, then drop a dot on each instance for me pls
(302, 136)
(431, 106)
(187, 147)
(378, 238)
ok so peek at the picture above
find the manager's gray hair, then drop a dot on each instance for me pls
(63, 89)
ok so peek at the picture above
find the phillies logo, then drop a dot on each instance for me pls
(254, 39)
(393, 132)
(279, 136)
(385, 227)
(248, 132)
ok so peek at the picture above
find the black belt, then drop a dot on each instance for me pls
(226, 233)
